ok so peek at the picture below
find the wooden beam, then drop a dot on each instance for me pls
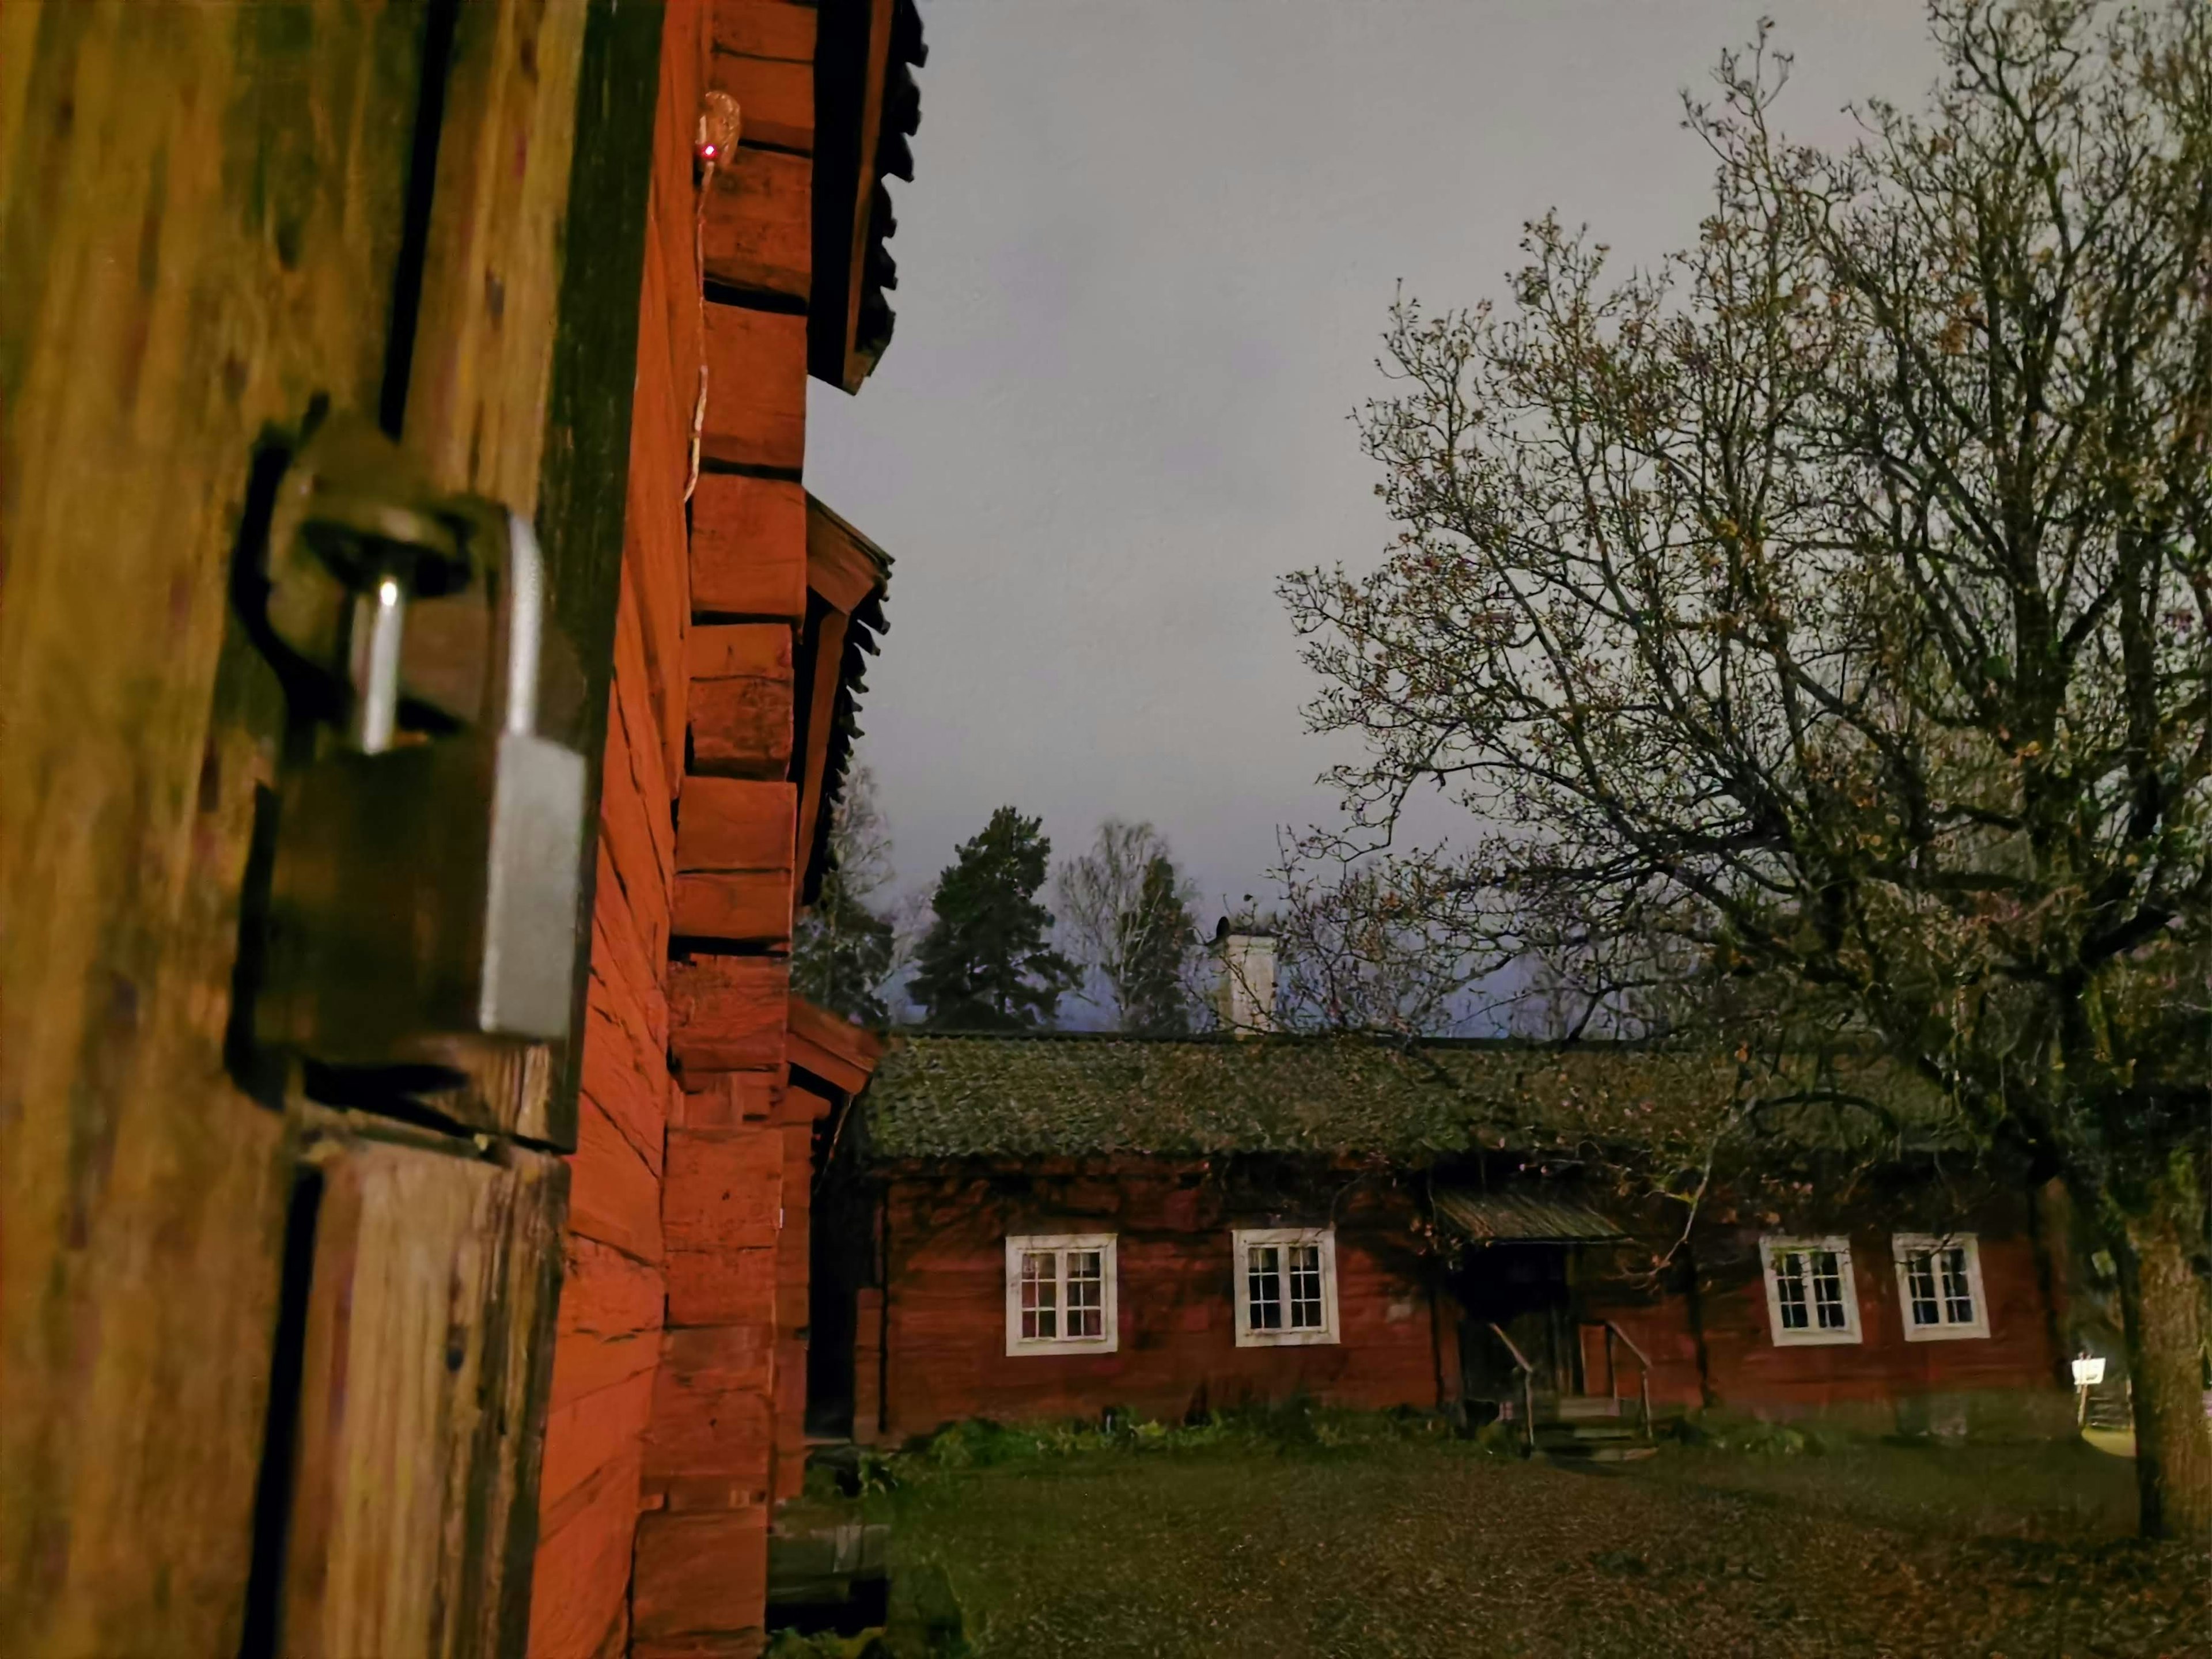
(823, 675)
(756, 389)
(748, 548)
(834, 1049)
(843, 566)
(741, 700)
(781, 29)
(727, 1013)
(775, 95)
(760, 228)
(734, 844)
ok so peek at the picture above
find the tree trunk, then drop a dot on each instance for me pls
(2163, 1304)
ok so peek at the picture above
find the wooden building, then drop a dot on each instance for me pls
(313, 1347)
(747, 612)
(1062, 1224)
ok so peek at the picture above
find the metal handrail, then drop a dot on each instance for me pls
(1643, 1369)
(1528, 1388)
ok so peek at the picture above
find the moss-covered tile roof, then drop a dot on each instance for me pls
(954, 1096)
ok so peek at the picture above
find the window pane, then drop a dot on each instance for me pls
(1828, 1289)
(1920, 1280)
(1305, 1287)
(1957, 1298)
(1040, 1316)
(1263, 1283)
(1790, 1290)
(1087, 1291)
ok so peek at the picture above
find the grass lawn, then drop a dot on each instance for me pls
(1430, 1547)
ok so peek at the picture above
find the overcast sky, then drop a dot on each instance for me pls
(1143, 268)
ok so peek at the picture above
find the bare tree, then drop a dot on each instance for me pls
(1127, 910)
(1826, 618)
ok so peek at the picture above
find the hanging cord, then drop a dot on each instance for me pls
(720, 124)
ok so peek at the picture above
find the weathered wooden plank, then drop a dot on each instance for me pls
(605, 1292)
(631, 810)
(672, 1598)
(765, 29)
(625, 1074)
(426, 1368)
(720, 1438)
(759, 232)
(824, 667)
(748, 548)
(583, 490)
(725, 1189)
(842, 565)
(581, 1607)
(746, 650)
(729, 824)
(203, 217)
(727, 1013)
(741, 700)
(597, 1431)
(741, 907)
(614, 1197)
(777, 96)
(721, 1287)
(657, 558)
(756, 388)
(483, 344)
(722, 1100)
(835, 1050)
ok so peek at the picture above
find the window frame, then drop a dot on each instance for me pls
(1021, 1245)
(1903, 1246)
(1852, 1331)
(1242, 1239)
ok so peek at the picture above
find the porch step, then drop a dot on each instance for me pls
(1613, 1451)
(1577, 1408)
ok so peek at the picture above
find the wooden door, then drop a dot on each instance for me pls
(274, 1368)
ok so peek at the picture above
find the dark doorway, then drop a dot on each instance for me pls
(1526, 1290)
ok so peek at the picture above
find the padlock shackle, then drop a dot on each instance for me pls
(525, 598)
(379, 613)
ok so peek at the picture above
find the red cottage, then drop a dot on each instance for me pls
(1049, 1226)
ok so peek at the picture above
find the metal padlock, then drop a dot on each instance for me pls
(424, 893)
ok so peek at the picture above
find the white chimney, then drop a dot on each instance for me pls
(1247, 1001)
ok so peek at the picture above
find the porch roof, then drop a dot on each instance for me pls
(943, 1094)
(1511, 1213)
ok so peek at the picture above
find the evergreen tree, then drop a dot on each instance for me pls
(842, 952)
(984, 964)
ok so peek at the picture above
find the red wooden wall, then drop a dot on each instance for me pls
(1746, 1370)
(943, 1322)
(941, 1319)
(679, 1375)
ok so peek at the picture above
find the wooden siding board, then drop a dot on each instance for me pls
(580, 1607)
(613, 1196)
(623, 1073)
(599, 1429)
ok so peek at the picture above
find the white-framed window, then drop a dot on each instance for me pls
(1286, 1286)
(1810, 1297)
(1939, 1285)
(1061, 1293)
